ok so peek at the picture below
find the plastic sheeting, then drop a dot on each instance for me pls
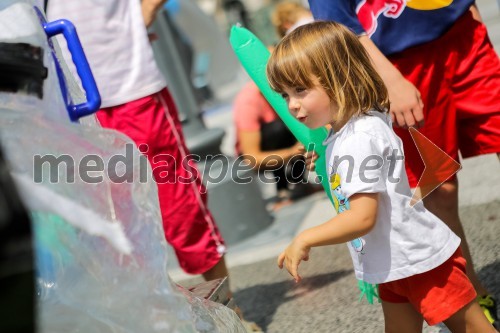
(100, 248)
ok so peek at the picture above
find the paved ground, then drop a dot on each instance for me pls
(327, 299)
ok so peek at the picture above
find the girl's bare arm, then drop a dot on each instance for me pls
(348, 225)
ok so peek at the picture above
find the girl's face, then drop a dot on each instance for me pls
(311, 106)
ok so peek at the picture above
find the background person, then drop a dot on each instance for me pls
(262, 135)
(289, 15)
(136, 102)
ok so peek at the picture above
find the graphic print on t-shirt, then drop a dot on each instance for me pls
(368, 11)
(339, 200)
(341, 204)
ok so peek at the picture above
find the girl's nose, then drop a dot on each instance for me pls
(293, 105)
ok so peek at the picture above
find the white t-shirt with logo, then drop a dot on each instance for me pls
(366, 156)
(115, 41)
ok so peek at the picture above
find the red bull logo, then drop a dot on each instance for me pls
(368, 12)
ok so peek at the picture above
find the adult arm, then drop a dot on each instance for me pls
(475, 13)
(250, 108)
(258, 159)
(406, 104)
(149, 10)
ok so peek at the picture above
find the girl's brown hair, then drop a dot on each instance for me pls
(334, 55)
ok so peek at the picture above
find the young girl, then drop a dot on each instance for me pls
(326, 77)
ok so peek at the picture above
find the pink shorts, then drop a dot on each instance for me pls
(189, 227)
(436, 294)
(458, 76)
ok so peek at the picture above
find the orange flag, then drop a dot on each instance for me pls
(439, 166)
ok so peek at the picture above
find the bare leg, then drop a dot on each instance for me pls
(401, 317)
(443, 202)
(216, 272)
(220, 271)
(469, 319)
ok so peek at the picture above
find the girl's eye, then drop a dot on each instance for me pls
(284, 95)
(299, 89)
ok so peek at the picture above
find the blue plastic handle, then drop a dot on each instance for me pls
(93, 103)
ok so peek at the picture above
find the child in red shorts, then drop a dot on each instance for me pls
(327, 78)
(430, 293)
(443, 78)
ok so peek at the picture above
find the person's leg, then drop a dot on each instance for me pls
(297, 169)
(152, 123)
(476, 87)
(220, 271)
(282, 190)
(399, 314)
(216, 272)
(443, 202)
(445, 295)
(450, 107)
(188, 224)
(281, 179)
(401, 317)
(469, 319)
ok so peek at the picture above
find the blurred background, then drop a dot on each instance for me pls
(200, 29)
(192, 50)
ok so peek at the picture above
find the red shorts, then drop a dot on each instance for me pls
(189, 227)
(436, 294)
(458, 76)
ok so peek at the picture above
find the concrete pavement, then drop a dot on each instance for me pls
(327, 299)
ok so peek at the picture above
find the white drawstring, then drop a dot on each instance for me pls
(221, 249)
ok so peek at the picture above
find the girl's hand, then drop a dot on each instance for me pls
(292, 256)
(310, 157)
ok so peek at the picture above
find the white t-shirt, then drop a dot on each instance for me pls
(115, 41)
(367, 157)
